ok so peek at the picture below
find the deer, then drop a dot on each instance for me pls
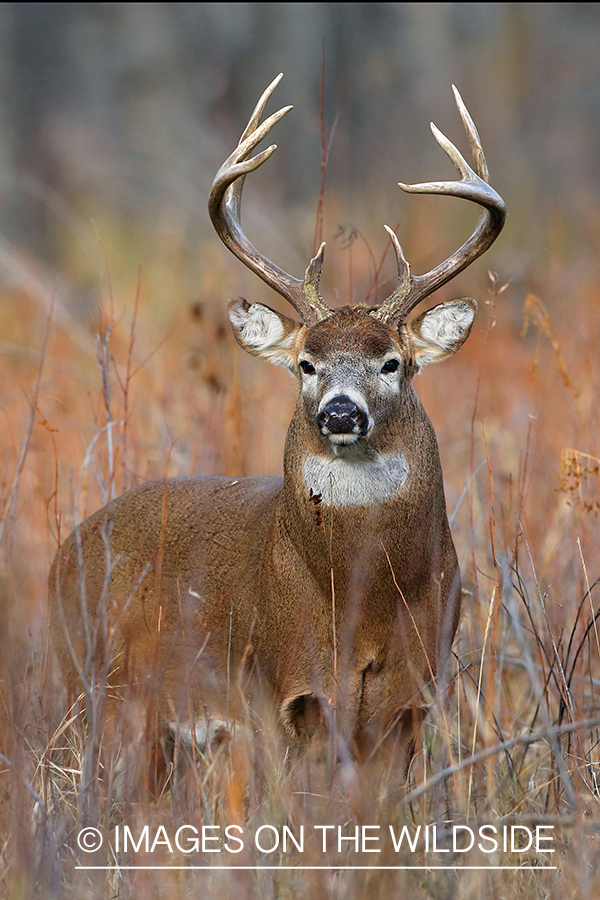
(335, 588)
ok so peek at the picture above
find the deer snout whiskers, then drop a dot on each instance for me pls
(343, 419)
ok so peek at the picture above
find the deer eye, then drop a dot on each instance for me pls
(390, 366)
(306, 367)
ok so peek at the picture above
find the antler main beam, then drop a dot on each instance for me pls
(225, 211)
(474, 185)
(224, 206)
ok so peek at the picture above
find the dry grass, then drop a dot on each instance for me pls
(154, 389)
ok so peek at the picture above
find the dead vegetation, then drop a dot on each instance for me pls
(154, 389)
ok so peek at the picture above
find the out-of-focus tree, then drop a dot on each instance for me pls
(131, 107)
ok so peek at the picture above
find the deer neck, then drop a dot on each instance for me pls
(368, 514)
(364, 484)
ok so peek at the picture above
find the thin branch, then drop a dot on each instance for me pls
(544, 734)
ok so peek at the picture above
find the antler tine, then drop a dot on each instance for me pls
(473, 185)
(224, 206)
(312, 277)
(260, 107)
(479, 163)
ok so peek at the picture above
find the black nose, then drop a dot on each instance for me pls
(342, 416)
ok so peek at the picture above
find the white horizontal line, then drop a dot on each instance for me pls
(329, 868)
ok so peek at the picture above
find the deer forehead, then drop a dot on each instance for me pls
(351, 332)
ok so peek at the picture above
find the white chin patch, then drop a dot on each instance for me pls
(205, 734)
(344, 481)
(343, 439)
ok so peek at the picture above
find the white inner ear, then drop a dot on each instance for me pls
(446, 325)
(440, 332)
(260, 328)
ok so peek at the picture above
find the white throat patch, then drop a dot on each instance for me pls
(356, 482)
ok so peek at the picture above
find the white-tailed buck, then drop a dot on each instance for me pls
(336, 587)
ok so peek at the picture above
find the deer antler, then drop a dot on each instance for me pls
(224, 206)
(474, 185)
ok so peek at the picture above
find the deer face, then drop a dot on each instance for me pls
(352, 368)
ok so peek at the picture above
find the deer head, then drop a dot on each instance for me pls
(352, 363)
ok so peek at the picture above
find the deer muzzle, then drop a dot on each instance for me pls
(343, 420)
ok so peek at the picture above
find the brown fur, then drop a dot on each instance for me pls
(240, 575)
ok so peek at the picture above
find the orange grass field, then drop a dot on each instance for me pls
(516, 414)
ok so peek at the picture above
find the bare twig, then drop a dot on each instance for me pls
(9, 514)
(553, 731)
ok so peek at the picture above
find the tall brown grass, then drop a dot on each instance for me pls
(148, 386)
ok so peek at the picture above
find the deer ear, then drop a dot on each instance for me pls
(263, 332)
(441, 331)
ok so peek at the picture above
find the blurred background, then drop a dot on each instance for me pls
(123, 112)
(116, 359)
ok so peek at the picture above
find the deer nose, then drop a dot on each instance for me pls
(342, 415)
